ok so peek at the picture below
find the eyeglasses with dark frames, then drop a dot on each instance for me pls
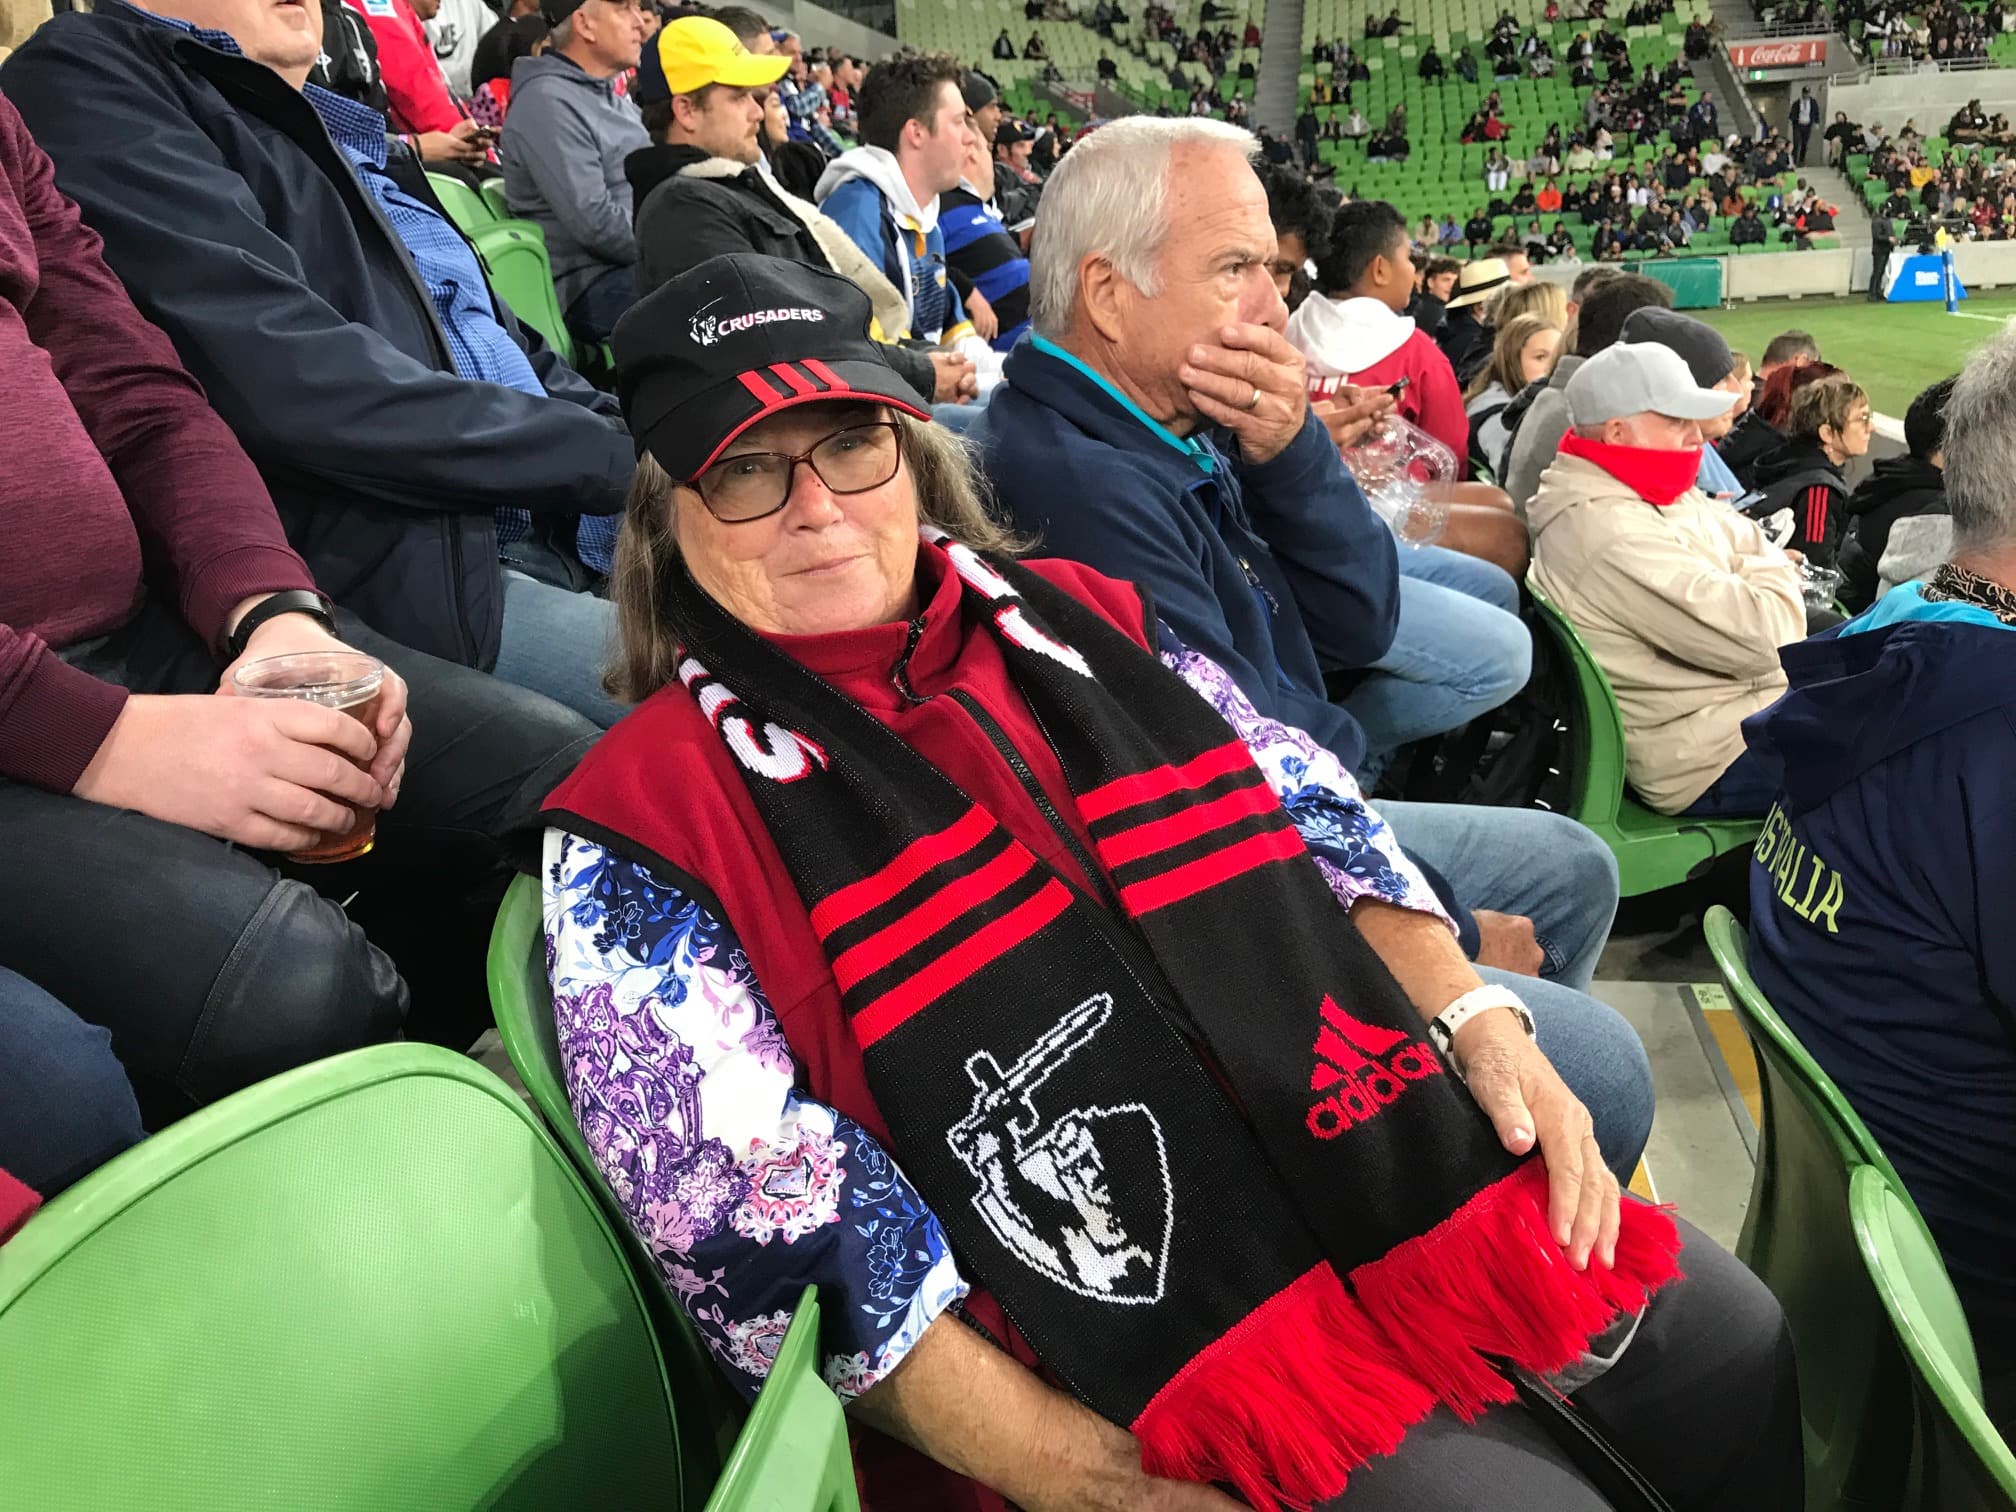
(755, 485)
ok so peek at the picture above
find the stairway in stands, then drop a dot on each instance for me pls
(1274, 96)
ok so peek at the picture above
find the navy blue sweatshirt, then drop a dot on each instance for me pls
(1881, 913)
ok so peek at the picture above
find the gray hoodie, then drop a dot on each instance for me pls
(1539, 436)
(565, 139)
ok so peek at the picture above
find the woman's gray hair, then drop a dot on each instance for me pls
(1981, 448)
(950, 494)
(1107, 199)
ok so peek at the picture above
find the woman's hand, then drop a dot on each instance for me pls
(1526, 1100)
(465, 143)
(986, 324)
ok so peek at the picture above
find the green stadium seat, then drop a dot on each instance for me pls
(1653, 850)
(1959, 1463)
(514, 255)
(1797, 1236)
(373, 1281)
(467, 208)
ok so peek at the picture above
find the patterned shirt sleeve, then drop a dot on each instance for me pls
(742, 1189)
(1353, 847)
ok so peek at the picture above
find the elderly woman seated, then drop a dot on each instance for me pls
(938, 932)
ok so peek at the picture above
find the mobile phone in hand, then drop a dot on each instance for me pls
(1399, 388)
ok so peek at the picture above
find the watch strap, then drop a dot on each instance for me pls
(287, 601)
(1443, 1027)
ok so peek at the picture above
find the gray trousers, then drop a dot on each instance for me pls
(1704, 1403)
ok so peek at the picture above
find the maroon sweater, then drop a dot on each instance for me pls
(111, 453)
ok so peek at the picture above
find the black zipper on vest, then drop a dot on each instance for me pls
(1131, 951)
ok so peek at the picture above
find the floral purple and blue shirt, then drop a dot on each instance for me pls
(744, 1189)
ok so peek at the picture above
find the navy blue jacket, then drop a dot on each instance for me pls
(240, 230)
(1881, 916)
(1278, 572)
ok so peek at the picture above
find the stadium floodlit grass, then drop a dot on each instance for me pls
(1893, 351)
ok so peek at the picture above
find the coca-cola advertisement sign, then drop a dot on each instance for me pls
(1788, 52)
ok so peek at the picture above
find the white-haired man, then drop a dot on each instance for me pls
(1879, 888)
(1683, 601)
(1156, 426)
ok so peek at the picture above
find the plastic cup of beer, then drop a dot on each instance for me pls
(347, 681)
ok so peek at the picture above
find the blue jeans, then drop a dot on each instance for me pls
(596, 309)
(555, 642)
(65, 1104)
(1553, 871)
(1461, 650)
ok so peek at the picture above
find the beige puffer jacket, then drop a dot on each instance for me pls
(1684, 608)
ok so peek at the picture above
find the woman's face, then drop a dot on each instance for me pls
(825, 562)
(1536, 358)
(1852, 440)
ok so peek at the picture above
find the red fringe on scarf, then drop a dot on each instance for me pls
(1316, 1380)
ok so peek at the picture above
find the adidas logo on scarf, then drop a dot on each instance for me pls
(1373, 1064)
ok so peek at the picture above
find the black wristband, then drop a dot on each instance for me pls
(288, 601)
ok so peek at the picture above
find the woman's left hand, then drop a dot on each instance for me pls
(1526, 1100)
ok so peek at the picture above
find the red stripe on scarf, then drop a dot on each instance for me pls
(1208, 871)
(1159, 782)
(1188, 824)
(966, 957)
(841, 908)
(959, 896)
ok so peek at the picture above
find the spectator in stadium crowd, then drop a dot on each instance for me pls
(348, 64)
(873, 773)
(1004, 46)
(1805, 116)
(1909, 487)
(1683, 601)
(1761, 431)
(564, 142)
(1464, 337)
(884, 193)
(454, 29)
(1713, 366)
(1017, 189)
(411, 431)
(1826, 424)
(1523, 352)
(1261, 554)
(66, 1106)
(1300, 214)
(986, 259)
(1604, 299)
(701, 193)
(144, 565)
(1840, 137)
(1876, 923)
(1749, 229)
(421, 105)
(1431, 299)
(516, 37)
(1787, 349)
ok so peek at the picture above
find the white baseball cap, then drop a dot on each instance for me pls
(1632, 378)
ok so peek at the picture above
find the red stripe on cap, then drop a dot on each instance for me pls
(982, 948)
(798, 385)
(753, 381)
(826, 375)
(918, 857)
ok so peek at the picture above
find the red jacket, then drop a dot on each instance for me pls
(663, 788)
(1432, 398)
(413, 81)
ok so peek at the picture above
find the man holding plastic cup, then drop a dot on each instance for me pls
(149, 807)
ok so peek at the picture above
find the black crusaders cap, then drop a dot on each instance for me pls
(735, 340)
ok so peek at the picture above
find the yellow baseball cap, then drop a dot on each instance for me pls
(696, 51)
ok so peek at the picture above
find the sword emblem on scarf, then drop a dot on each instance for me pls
(1085, 1199)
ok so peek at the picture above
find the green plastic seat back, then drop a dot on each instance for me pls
(1797, 1236)
(493, 196)
(1959, 1462)
(521, 275)
(521, 1001)
(1653, 850)
(468, 209)
(372, 1282)
(792, 1454)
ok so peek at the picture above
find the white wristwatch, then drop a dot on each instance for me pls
(1442, 1028)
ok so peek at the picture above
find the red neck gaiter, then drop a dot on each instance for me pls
(1657, 477)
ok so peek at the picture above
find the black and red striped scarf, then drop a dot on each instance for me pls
(1267, 1269)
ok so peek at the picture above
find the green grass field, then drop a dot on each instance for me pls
(1893, 351)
